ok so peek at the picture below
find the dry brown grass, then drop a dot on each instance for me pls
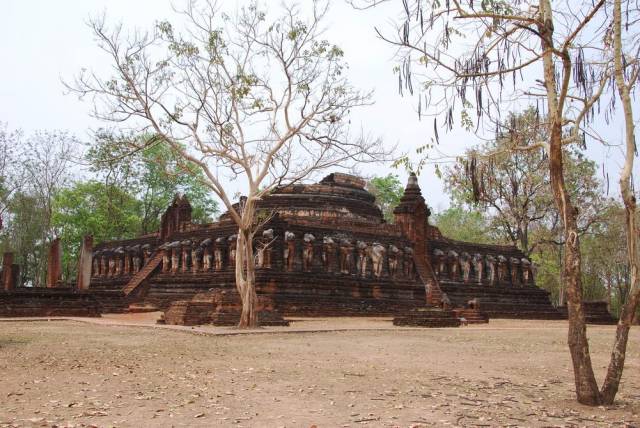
(507, 373)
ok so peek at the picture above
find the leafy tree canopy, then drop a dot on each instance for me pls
(25, 235)
(104, 211)
(388, 190)
(464, 224)
(513, 186)
(152, 175)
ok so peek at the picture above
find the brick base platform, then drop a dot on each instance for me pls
(427, 317)
(45, 302)
(596, 313)
(220, 308)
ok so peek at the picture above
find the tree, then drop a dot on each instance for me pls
(152, 175)
(491, 54)
(514, 190)
(23, 235)
(461, 224)
(625, 71)
(388, 190)
(246, 97)
(106, 212)
(44, 161)
(604, 264)
(515, 184)
(11, 179)
(605, 261)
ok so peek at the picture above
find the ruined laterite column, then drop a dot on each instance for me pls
(127, 261)
(412, 216)
(15, 275)
(84, 263)
(7, 271)
(54, 264)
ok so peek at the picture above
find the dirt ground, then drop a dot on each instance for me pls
(506, 373)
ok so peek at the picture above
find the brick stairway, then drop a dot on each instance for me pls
(431, 315)
(142, 274)
(425, 271)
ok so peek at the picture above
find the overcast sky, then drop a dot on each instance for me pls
(45, 41)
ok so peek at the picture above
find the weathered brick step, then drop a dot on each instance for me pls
(44, 302)
(503, 301)
(111, 301)
(427, 317)
(427, 276)
(595, 313)
(135, 308)
(527, 315)
(219, 307)
(472, 316)
(143, 274)
(293, 292)
(304, 305)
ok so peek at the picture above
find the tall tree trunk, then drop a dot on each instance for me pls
(561, 294)
(524, 240)
(586, 385)
(246, 278)
(618, 354)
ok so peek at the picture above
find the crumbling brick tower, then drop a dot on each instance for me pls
(412, 216)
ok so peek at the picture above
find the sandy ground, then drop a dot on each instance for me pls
(115, 371)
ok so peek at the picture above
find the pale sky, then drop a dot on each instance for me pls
(44, 42)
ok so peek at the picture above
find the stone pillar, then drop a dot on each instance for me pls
(328, 253)
(104, 263)
(175, 258)
(218, 253)
(95, 270)
(186, 250)
(196, 258)
(54, 264)
(207, 258)
(111, 264)
(146, 254)
(127, 261)
(166, 259)
(412, 214)
(307, 252)
(118, 257)
(409, 263)
(289, 250)
(7, 277)
(15, 275)
(363, 256)
(84, 263)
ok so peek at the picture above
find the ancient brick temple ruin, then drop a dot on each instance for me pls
(325, 251)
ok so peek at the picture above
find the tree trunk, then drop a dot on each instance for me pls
(586, 385)
(524, 240)
(246, 279)
(561, 294)
(618, 354)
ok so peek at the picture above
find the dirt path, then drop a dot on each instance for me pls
(508, 373)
